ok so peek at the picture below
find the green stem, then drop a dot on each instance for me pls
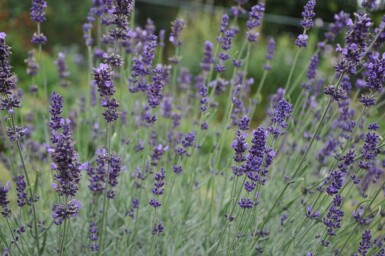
(299, 50)
(13, 236)
(64, 233)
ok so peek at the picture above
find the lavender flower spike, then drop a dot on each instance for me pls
(4, 202)
(37, 10)
(103, 79)
(177, 27)
(308, 14)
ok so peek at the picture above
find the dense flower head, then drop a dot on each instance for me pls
(301, 40)
(355, 44)
(115, 170)
(335, 215)
(9, 103)
(365, 243)
(244, 123)
(375, 71)
(279, 120)
(226, 40)
(7, 81)
(255, 15)
(308, 14)
(15, 134)
(336, 180)
(65, 162)
(373, 126)
(60, 212)
(155, 87)
(368, 100)
(335, 93)
(4, 202)
(369, 151)
(38, 38)
(188, 140)
(103, 79)
(258, 141)
(255, 19)
(177, 28)
(20, 188)
(37, 10)
(246, 203)
(240, 146)
(154, 203)
(56, 106)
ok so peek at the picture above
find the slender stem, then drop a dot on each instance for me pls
(28, 184)
(299, 50)
(64, 233)
(103, 230)
(230, 216)
(13, 236)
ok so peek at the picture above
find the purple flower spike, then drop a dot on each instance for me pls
(103, 79)
(20, 188)
(4, 202)
(365, 243)
(7, 81)
(37, 10)
(308, 14)
(177, 27)
(334, 217)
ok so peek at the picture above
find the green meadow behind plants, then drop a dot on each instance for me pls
(208, 137)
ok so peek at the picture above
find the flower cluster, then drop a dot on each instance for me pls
(60, 212)
(4, 202)
(334, 217)
(255, 19)
(103, 79)
(158, 187)
(37, 10)
(355, 45)
(307, 23)
(108, 169)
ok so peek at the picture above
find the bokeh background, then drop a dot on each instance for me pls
(63, 29)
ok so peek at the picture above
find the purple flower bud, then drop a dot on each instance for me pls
(301, 40)
(246, 203)
(60, 212)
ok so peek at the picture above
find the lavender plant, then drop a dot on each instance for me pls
(148, 156)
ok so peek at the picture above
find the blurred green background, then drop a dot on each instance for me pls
(65, 18)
